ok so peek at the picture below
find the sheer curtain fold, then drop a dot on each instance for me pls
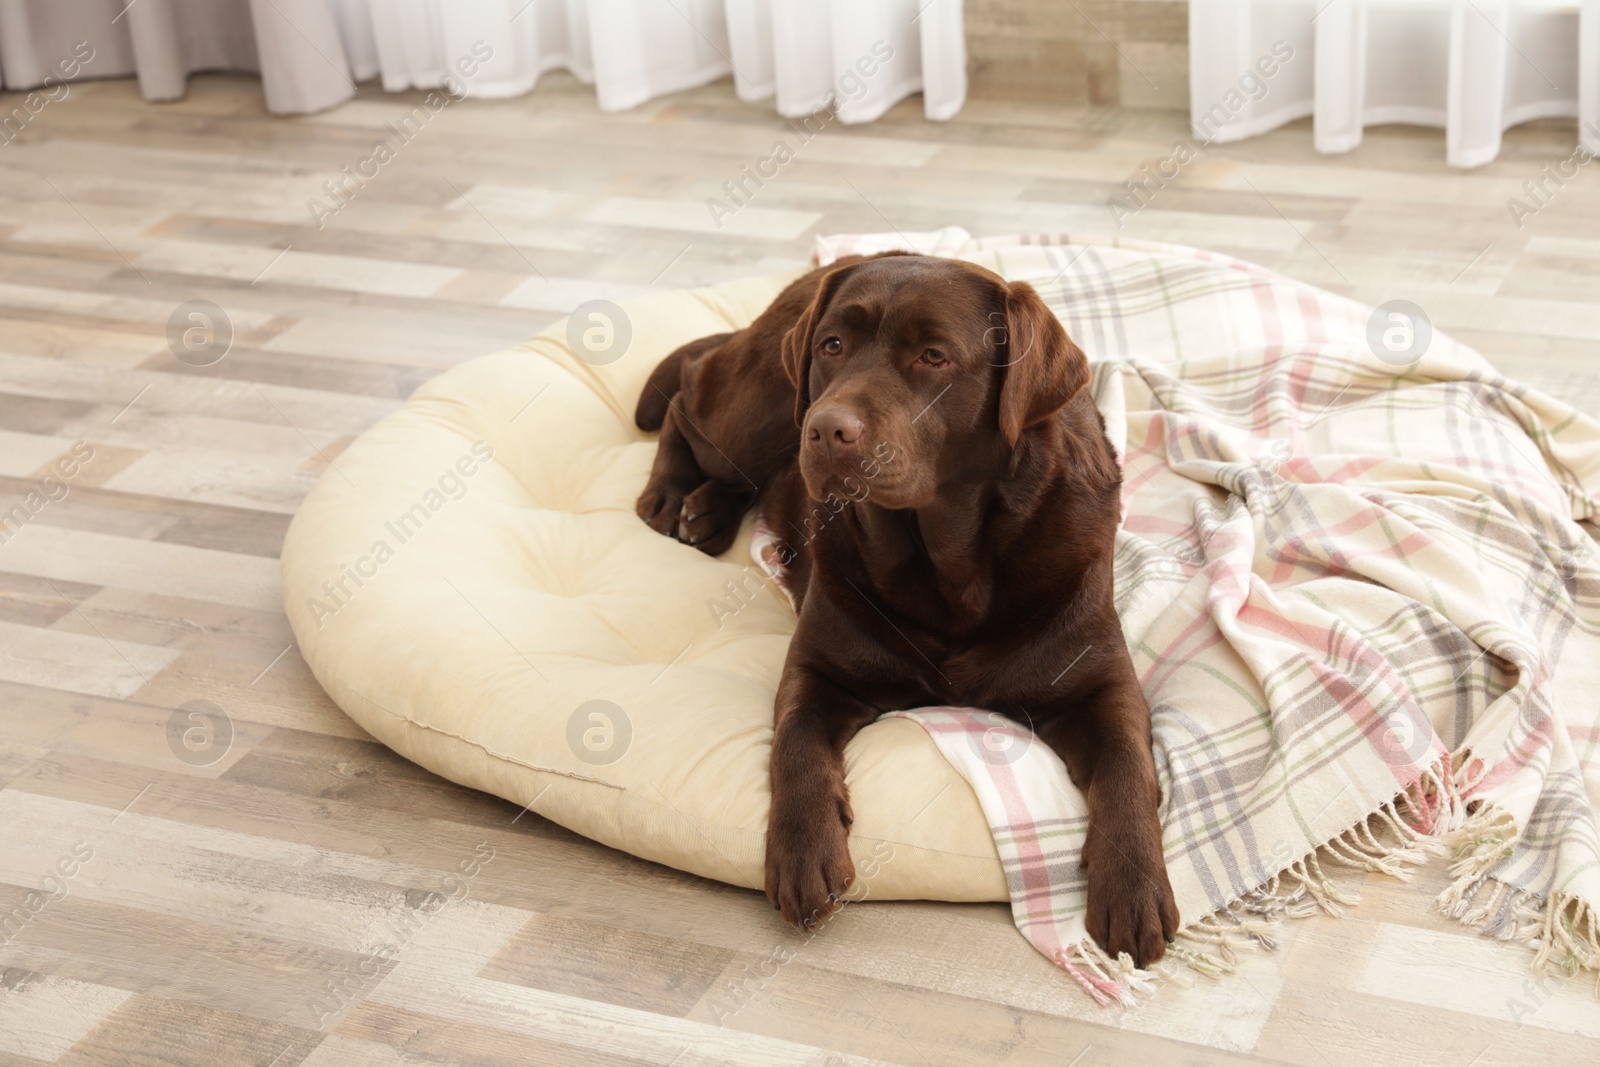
(1473, 67)
(310, 53)
(1589, 76)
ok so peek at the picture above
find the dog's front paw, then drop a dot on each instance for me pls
(808, 864)
(659, 507)
(709, 518)
(1131, 907)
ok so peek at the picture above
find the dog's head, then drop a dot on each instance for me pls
(912, 373)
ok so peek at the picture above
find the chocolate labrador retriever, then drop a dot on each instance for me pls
(952, 501)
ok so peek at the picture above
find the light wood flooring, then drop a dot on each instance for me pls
(227, 912)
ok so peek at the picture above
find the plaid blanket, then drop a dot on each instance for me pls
(1357, 582)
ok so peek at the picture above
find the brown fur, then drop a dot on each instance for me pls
(950, 534)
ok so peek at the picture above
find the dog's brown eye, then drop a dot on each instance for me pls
(833, 346)
(933, 358)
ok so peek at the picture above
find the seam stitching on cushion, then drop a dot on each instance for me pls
(698, 821)
(485, 748)
(635, 794)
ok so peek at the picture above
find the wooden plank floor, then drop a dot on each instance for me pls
(274, 893)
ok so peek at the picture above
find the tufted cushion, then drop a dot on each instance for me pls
(470, 583)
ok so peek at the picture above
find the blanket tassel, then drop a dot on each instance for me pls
(1432, 818)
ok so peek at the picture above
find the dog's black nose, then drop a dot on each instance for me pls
(834, 427)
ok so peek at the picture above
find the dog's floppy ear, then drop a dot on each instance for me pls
(797, 342)
(1043, 368)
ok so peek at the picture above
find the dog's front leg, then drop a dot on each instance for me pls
(1104, 739)
(808, 866)
(673, 476)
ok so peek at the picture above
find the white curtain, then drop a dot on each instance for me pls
(865, 54)
(802, 50)
(1473, 67)
(294, 44)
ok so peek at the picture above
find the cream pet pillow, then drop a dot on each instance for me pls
(470, 583)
